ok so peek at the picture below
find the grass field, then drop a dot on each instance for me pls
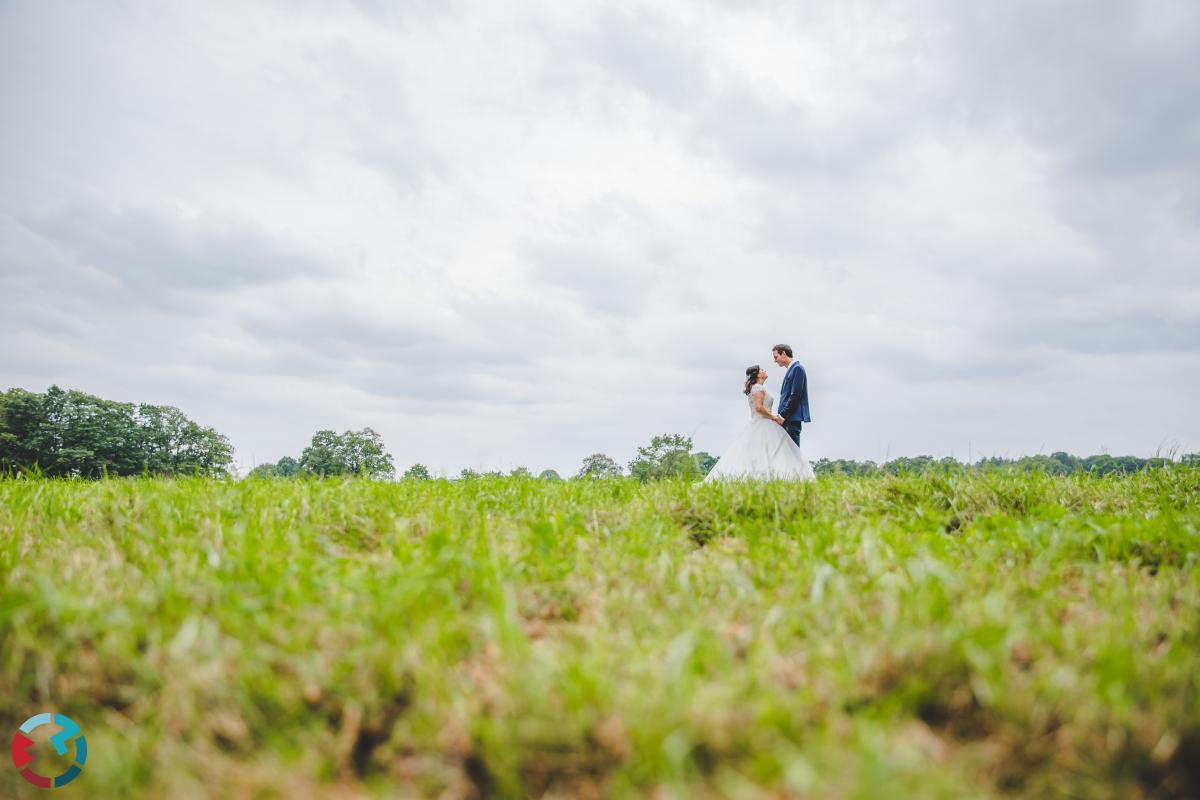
(922, 636)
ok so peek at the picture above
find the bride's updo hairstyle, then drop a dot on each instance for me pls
(751, 378)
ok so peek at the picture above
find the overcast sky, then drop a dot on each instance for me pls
(510, 234)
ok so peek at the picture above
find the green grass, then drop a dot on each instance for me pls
(921, 636)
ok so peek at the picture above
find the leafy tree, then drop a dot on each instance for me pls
(324, 455)
(20, 422)
(668, 455)
(172, 444)
(81, 434)
(417, 472)
(468, 474)
(1046, 464)
(267, 470)
(349, 453)
(826, 466)
(549, 475)
(287, 467)
(163, 429)
(916, 464)
(67, 432)
(1058, 463)
(704, 462)
(598, 465)
(1066, 462)
(521, 472)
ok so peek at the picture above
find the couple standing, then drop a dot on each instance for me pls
(769, 446)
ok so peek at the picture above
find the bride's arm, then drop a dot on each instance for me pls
(758, 404)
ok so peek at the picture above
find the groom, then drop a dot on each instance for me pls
(793, 395)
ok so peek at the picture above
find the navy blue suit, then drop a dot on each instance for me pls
(793, 400)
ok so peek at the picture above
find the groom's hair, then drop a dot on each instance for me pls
(786, 349)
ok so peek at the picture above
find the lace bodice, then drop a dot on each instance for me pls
(768, 401)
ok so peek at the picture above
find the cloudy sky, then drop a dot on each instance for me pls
(511, 233)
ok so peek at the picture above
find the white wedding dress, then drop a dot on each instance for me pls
(762, 449)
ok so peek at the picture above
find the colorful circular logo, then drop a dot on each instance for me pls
(22, 744)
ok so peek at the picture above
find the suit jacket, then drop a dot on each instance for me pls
(793, 395)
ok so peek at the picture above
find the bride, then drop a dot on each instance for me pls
(762, 449)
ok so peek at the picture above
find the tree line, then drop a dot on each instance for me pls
(349, 453)
(671, 456)
(65, 433)
(362, 452)
(1058, 463)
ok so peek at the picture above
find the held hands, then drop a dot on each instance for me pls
(778, 419)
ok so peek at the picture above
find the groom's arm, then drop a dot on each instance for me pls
(788, 397)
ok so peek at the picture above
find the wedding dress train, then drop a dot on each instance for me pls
(762, 449)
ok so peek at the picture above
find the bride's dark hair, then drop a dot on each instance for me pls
(751, 378)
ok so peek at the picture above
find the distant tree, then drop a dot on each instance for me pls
(1057, 463)
(417, 472)
(81, 434)
(825, 466)
(72, 433)
(323, 456)
(287, 467)
(349, 453)
(468, 474)
(1067, 463)
(20, 429)
(267, 470)
(1053, 464)
(521, 472)
(598, 465)
(704, 462)
(549, 475)
(173, 444)
(1100, 465)
(1191, 459)
(916, 464)
(668, 455)
(163, 431)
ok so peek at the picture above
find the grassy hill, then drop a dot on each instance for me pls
(923, 636)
